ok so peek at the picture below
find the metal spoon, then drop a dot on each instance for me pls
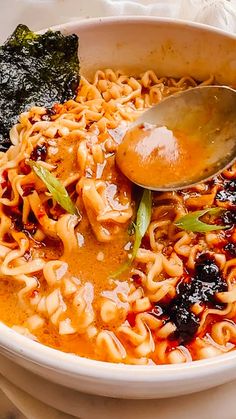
(187, 138)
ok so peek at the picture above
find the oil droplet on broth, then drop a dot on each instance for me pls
(160, 157)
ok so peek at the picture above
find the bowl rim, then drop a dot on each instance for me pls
(13, 343)
(74, 365)
(109, 20)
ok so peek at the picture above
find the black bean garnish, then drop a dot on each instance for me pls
(201, 288)
(39, 153)
(229, 217)
(228, 193)
(231, 249)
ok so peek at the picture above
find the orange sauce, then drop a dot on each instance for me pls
(92, 263)
(159, 157)
(84, 264)
(10, 311)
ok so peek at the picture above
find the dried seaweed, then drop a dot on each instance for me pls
(35, 70)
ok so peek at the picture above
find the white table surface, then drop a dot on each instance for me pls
(218, 403)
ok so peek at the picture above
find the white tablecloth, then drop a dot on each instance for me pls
(38, 14)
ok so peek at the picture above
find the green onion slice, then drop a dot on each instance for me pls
(55, 187)
(191, 221)
(143, 219)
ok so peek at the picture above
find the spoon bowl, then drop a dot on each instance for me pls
(187, 138)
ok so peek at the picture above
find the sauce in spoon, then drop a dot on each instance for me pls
(185, 139)
(155, 156)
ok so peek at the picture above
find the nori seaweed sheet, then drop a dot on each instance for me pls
(35, 70)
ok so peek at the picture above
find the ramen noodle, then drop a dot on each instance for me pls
(176, 301)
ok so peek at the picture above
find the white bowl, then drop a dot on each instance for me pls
(172, 48)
